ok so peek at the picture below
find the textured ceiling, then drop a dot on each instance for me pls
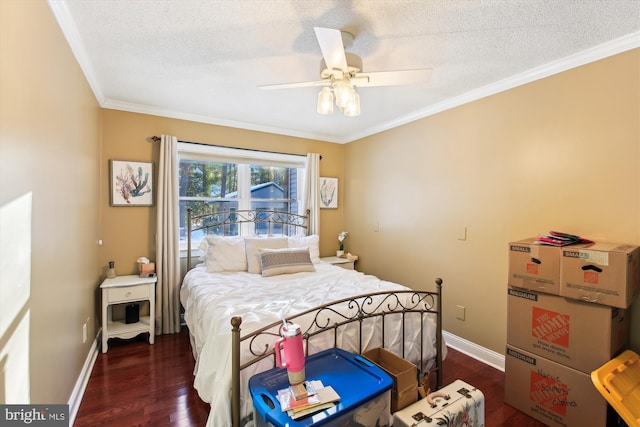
(203, 60)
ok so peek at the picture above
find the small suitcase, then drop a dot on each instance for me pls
(458, 404)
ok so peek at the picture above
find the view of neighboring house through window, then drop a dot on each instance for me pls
(221, 179)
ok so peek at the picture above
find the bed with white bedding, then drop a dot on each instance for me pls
(234, 313)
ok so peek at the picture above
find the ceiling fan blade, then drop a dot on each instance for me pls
(332, 47)
(298, 84)
(393, 78)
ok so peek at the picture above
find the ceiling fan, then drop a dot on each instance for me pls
(341, 72)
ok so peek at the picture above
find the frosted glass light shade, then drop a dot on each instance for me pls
(325, 101)
(344, 93)
(352, 109)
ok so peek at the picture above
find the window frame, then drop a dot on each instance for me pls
(243, 158)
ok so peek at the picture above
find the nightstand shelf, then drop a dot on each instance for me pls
(120, 328)
(348, 264)
(127, 290)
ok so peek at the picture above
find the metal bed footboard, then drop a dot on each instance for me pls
(330, 319)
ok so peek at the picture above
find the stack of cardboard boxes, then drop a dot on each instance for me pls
(567, 315)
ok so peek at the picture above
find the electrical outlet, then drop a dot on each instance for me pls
(84, 333)
(460, 312)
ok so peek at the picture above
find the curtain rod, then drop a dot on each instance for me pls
(157, 139)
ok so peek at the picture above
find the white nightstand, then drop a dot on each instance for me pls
(345, 263)
(122, 290)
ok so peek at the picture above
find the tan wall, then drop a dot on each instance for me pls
(562, 153)
(49, 150)
(129, 232)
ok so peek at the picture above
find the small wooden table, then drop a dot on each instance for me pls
(122, 290)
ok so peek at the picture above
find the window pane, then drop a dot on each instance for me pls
(270, 182)
(210, 183)
(199, 207)
(219, 185)
(200, 178)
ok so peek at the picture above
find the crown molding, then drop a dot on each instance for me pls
(71, 33)
(153, 111)
(605, 50)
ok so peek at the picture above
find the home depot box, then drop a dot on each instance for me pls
(404, 374)
(534, 266)
(604, 273)
(578, 334)
(551, 392)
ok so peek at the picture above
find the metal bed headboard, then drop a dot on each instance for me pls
(229, 223)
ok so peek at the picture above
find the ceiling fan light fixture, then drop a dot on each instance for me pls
(352, 109)
(340, 74)
(325, 101)
(344, 92)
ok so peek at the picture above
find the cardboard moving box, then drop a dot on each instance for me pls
(404, 374)
(534, 266)
(578, 334)
(550, 392)
(604, 273)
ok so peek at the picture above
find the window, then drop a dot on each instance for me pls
(217, 179)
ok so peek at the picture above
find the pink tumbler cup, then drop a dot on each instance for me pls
(291, 343)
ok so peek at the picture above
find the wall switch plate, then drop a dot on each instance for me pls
(460, 312)
(462, 233)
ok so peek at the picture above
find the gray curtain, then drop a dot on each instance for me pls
(311, 196)
(168, 240)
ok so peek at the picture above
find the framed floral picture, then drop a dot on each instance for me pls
(131, 183)
(329, 193)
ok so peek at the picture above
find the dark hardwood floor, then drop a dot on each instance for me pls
(491, 382)
(137, 384)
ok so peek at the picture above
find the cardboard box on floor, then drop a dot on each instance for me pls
(404, 374)
(534, 266)
(551, 392)
(604, 273)
(578, 334)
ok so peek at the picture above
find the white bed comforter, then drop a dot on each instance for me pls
(212, 299)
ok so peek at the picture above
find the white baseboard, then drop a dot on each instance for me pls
(83, 379)
(484, 355)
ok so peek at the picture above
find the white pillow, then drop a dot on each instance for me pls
(252, 245)
(225, 253)
(285, 261)
(312, 242)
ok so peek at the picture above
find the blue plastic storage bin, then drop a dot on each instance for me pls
(364, 389)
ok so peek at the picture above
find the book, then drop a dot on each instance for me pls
(302, 390)
(323, 398)
(309, 411)
(558, 238)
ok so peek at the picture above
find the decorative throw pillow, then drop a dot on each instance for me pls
(253, 244)
(225, 253)
(312, 242)
(285, 261)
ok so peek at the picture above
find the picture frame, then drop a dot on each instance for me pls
(328, 192)
(131, 183)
